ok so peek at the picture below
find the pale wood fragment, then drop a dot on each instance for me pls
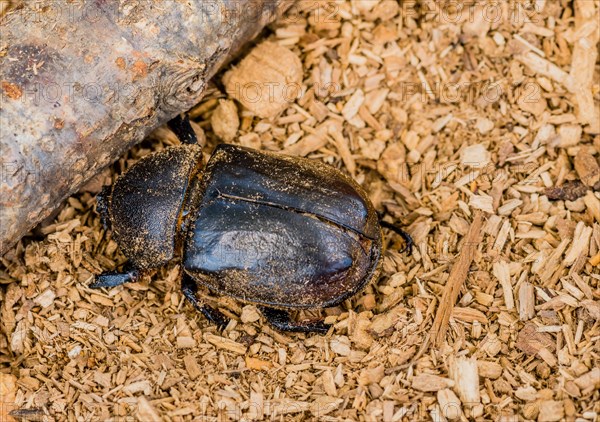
(526, 301)
(267, 80)
(456, 279)
(466, 377)
(551, 411)
(546, 68)
(501, 271)
(225, 343)
(225, 121)
(145, 410)
(587, 167)
(489, 369)
(449, 404)
(430, 382)
(585, 55)
(192, 367)
(8, 391)
(580, 244)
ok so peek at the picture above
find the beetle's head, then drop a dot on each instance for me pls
(146, 203)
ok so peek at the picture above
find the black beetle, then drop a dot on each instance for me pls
(278, 231)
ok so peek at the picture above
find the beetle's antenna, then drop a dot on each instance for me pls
(182, 127)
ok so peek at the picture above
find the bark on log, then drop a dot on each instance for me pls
(81, 82)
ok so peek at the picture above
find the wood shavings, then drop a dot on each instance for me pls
(439, 120)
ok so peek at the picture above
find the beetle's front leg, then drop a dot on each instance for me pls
(189, 288)
(115, 278)
(283, 322)
(183, 129)
(102, 205)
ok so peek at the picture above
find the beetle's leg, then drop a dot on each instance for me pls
(182, 127)
(189, 288)
(102, 206)
(282, 321)
(407, 238)
(115, 278)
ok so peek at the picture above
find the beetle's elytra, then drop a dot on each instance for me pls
(278, 231)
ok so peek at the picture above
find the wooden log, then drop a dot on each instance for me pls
(81, 82)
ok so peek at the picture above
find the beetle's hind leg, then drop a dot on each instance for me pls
(189, 288)
(115, 278)
(283, 322)
(407, 238)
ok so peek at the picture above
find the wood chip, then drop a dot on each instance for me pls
(587, 168)
(267, 80)
(466, 377)
(580, 244)
(371, 375)
(526, 302)
(192, 367)
(551, 411)
(225, 121)
(145, 410)
(456, 280)
(489, 369)
(532, 342)
(482, 202)
(546, 68)
(225, 343)
(569, 135)
(569, 190)
(475, 156)
(257, 364)
(353, 105)
(185, 342)
(449, 404)
(501, 271)
(45, 299)
(430, 382)
(469, 315)
(588, 380)
(138, 387)
(8, 391)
